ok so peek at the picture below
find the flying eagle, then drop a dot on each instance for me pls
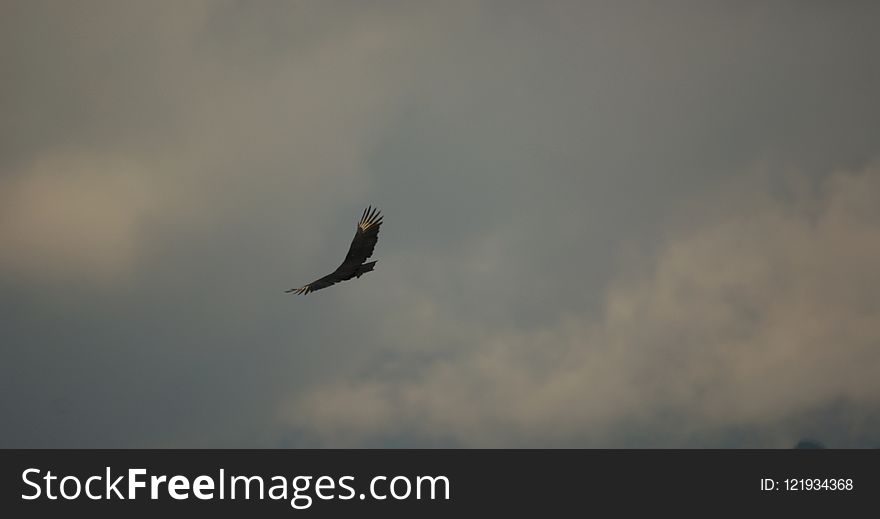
(354, 264)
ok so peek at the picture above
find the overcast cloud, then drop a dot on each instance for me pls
(606, 224)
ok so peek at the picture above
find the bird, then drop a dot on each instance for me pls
(355, 263)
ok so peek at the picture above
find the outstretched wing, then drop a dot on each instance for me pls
(365, 237)
(324, 282)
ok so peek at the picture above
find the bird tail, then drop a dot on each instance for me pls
(363, 269)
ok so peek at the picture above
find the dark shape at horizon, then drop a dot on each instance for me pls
(809, 444)
(354, 264)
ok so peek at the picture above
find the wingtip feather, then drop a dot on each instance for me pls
(372, 216)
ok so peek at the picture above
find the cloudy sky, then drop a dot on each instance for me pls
(607, 224)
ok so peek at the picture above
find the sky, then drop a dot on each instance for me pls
(607, 224)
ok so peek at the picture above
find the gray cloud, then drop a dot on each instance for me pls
(751, 317)
(606, 225)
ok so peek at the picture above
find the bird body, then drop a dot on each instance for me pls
(355, 263)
